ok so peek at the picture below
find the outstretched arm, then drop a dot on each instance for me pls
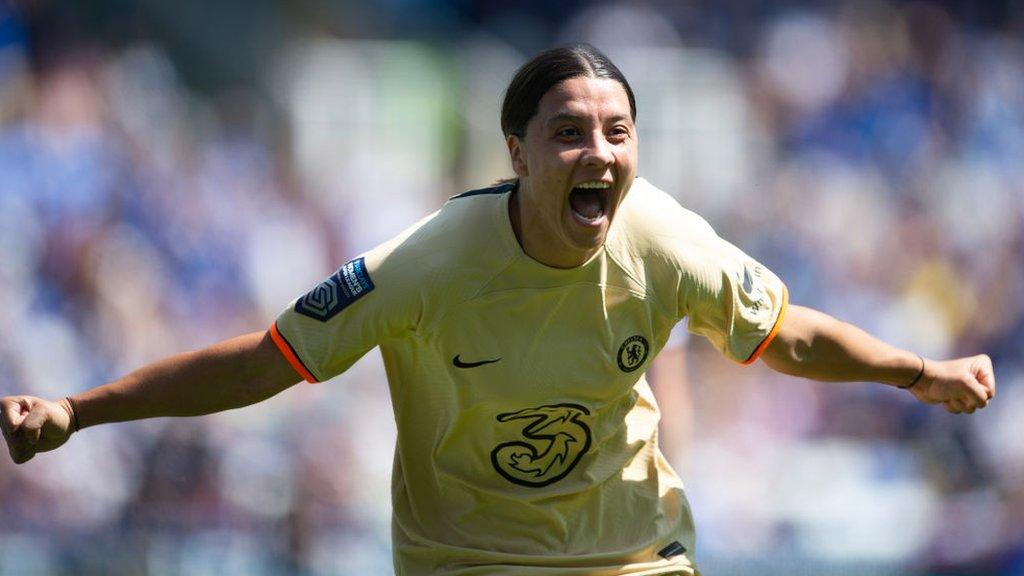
(234, 373)
(814, 345)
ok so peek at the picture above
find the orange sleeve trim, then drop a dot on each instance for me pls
(775, 330)
(289, 353)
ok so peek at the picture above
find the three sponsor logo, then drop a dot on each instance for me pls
(552, 438)
(550, 444)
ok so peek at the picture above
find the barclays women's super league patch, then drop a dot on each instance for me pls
(350, 283)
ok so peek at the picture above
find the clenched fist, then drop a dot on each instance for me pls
(961, 385)
(31, 425)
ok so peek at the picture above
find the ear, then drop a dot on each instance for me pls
(517, 155)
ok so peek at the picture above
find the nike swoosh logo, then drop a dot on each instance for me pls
(460, 364)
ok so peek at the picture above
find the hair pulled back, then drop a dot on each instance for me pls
(533, 80)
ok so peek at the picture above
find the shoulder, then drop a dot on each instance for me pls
(458, 246)
(466, 232)
(459, 228)
(495, 190)
(651, 222)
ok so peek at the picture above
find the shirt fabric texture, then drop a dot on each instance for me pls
(527, 434)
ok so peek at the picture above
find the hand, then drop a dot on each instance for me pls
(961, 385)
(31, 425)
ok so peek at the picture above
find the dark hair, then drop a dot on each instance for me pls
(533, 80)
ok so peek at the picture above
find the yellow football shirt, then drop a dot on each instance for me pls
(527, 435)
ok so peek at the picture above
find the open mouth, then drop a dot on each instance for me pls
(589, 202)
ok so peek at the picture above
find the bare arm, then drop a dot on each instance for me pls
(814, 345)
(234, 373)
(670, 382)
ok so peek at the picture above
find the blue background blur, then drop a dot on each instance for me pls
(174, 173)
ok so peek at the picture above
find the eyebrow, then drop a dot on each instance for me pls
(569, 116)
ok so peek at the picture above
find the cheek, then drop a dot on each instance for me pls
(556, 166)
(568, 155)
(627, 153)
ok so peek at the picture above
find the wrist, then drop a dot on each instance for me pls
(917, 378)
(68, 405)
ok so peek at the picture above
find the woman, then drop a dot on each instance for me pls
(516, 324)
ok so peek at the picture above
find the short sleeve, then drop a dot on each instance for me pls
(732, 300)
(366, 301)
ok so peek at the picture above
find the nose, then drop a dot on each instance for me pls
(597, 150)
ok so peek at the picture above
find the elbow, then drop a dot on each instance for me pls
(796, 348)
(802, 352)
(801, 357)
(792, 357)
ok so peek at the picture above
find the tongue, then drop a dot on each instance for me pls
(586, 202)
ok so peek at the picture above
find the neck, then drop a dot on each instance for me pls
(531, 238)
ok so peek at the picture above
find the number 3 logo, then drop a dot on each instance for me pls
(556, 439)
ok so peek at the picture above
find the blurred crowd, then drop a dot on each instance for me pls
(870, 153)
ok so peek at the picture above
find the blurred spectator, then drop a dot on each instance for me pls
(868, 152)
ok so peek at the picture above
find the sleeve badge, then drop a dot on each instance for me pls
(350, 283)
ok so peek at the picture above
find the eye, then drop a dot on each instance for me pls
(618, 133)
(567, 133)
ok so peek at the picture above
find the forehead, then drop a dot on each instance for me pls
(600, 98)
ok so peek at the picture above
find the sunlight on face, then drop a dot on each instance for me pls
(576, 162)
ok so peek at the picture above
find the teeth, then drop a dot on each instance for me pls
(594, 185)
